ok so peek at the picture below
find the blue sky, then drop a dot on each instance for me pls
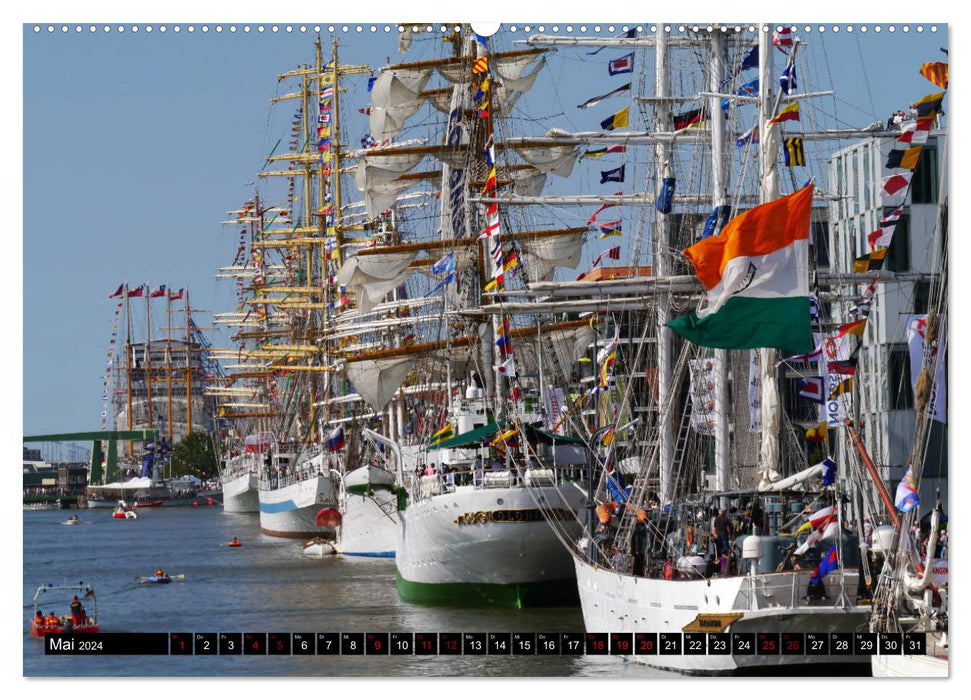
(136, 144)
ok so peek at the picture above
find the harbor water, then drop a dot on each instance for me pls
(267, 585)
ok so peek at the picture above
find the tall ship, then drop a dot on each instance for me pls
(720, 500)
(292, 448)
(157, 384)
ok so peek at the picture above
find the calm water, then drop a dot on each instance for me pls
(265, 586)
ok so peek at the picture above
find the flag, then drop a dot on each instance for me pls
(597, 152)
(756, 272)
(160, 292)
(615, 175)
(173, 297)
(619, 92)
(830, 562)
(443, 434)
(335, 439)
(629, 34)
(793, 152)
(609, 359)
(510, 263)
(665, 200)
(136, 292)
(593, 217)
(882, 237)
(870, 261)
(811, 388)
(118, 292)
(481, 65)
(841, 350)
(781, 38)
(611, 228)
(448, 279)
(612, 254)
(928, 105)
(686, 119)
(829, 472)
(507, 368)
(916, 338)
(787, 81)
(624, 64)
(446, 264)
(750, 136)
(892, 184)
(904, 158)
(935, 72)
(751, 60)
(914, 132)
(789, 113)
(751, 88)
(906, 498)
(616, 121)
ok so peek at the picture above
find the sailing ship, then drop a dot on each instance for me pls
(158, 384)
(662, 558)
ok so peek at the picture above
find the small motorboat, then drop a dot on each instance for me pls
(125, 515)
(73, 520)
(164, 578)
(234, 543)
(79, 621)
(148, 504)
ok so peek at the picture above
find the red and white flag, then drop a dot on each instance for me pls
(781, 38)
(893, 184)
(612, 254)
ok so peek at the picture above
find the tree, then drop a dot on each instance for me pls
(195, 455)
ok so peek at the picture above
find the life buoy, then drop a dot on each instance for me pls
(328, 518)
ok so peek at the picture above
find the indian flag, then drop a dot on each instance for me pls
(756, 272)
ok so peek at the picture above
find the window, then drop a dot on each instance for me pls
(924, 185)
(922, 292)
(898, 257)
(820, 235)
(901, 395)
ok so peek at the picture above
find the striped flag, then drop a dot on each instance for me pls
(611, 228)
(593, 217)
(756, 272)
(481, 65)
(598, 152)
(790, 113)
(781, 38)
(619, 92)
(612, 254)
(793, 152)
(841, 350)
(935, 72)
(615, 121)
(118, 292)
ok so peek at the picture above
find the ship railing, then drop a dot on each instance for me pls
(426, 485)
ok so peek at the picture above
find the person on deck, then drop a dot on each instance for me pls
(40, 619)
(721, 529)
(52, 620)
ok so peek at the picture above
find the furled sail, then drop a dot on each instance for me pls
(558, 160)
(378, 380)
(395, 97)
(375, 275)
(543, 254)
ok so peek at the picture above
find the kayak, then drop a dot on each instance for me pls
(156, 579)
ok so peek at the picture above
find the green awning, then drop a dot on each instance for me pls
(467, 439)
(474, 437)
(537, 435)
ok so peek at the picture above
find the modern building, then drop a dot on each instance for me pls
(883, 397)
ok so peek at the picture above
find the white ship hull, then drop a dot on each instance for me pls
(615, 602)
(241, 493)
(369, 525)
(291, 510)
(488, 546)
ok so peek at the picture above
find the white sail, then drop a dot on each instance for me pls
(395, 97)
(375, 275)
(378, 380)
(528, 183)
(558, 160)
(543, 254)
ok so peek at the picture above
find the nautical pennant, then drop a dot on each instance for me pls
(615, 121)
(611, 228)
(612, 254)
(787, 81)
(781, 38)
(892, 184)
(935, 72)
(793, 152)
(928, 106)
(687, 119)
(593, 217)
(904, 158)
(118, 292)
(598, 152)
(789, 113)
(619, 92)
(624, 64)
(615, 175)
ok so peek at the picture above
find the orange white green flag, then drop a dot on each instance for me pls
(756, 272)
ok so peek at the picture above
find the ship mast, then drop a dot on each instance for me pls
(188, 368)
(128, 350)
(148, 352)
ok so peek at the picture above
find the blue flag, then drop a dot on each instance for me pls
(446, 264)
(624, 64)
(751, 59)
(448, 280)
(826, 564)
(666, 199)
(788, 79)
(829, 472)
